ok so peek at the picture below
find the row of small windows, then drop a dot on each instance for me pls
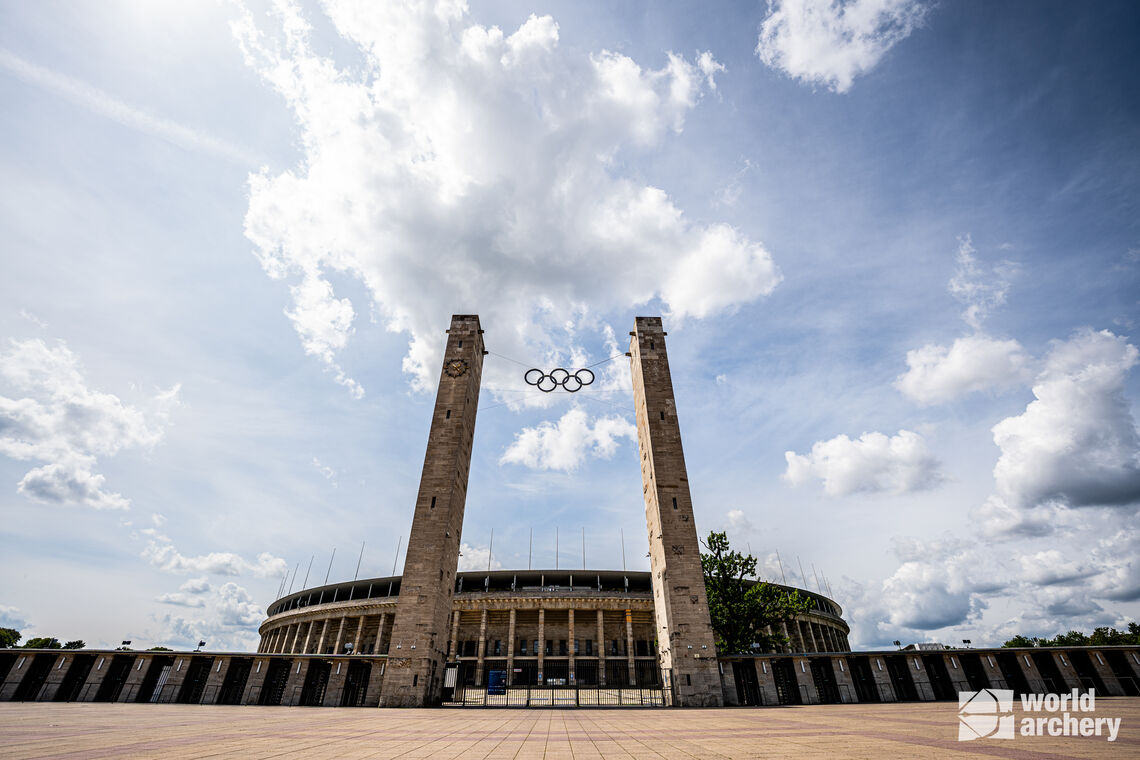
(559, 647)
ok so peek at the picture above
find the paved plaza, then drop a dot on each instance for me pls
(913, 730)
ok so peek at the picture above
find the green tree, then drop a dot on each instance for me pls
(9, 637)
(1021, 641)
(742, 609)
(75, 644)
(160, 649)
(43, 642)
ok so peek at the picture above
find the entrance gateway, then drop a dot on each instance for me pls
(417, 670)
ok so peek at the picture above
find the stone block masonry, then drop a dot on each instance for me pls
(687, 647)
(418, 648)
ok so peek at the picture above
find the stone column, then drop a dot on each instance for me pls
(681, 607)
(811, 635)
(541, 645)
(511, 649)
(427, 587)
(308, 637)
(296, 636)
(359, 634)
(451, 647)
(570, 643)
(601, 649)
(629, 646)
(380, 632)
(790, 646)
(324, 637)
(481, 651)
(338, 647)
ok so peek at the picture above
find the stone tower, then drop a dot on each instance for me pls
(685, 637)
(419, 635)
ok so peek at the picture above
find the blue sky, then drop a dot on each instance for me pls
(894, 243)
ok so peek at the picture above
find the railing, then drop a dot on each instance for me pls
(561, 696)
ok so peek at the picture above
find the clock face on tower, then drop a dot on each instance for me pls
(455, 367)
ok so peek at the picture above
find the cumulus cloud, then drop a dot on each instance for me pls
(1076, 444)
(973, 363)
(475, 558)
(12, 617)
(67, 425)
(564, 445)
(830, 42)
(869, 464)
(1050, 567)
(227, 618)
(167, 558)
(463, 168)
(181, 600)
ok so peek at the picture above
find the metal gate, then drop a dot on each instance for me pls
(502, 688)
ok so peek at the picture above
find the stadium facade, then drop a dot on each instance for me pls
(540, 637)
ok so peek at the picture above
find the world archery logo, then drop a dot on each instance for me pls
(985, 714)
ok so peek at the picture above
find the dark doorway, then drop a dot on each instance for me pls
(7, 660)
(155, 679)
(1010, 665)
(234, 684)
(586, 672)
(647, 673)
(355, 684)
(787, 691)
(196, 674)
(617, 673)
(117, 671)
(823, 674)
(38, 666)
(861, 675)
(1086, 673)
(76, 676)
(1123, 672)
(747, 685)
(940, 682)
(1050, 673)
(316, 681)
(901, 679)
(974, 671)
(276, 675)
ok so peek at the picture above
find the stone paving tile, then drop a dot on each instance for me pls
(918, 731)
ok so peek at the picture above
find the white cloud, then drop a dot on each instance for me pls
(1049, 567)
(739, 522)
(830, 42)
(228, 619)
(475, 558)
(565, 444)
(181, 600)
(869, 464)
(1076, 444)
(979, 291)
(464, 169)
(67, 425)
(972, 363)
(105, 105)
(326, 471)
(236, 607)
(167, 558)
(196, 585)
(12, 617)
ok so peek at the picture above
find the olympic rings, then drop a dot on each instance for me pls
(547, 382)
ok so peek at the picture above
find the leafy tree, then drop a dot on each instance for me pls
(75, 644)
(1103, 636)
(43, 642)
(160, 649)
(9, 637)
(742, 609)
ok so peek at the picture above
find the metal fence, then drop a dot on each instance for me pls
(457, 693)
